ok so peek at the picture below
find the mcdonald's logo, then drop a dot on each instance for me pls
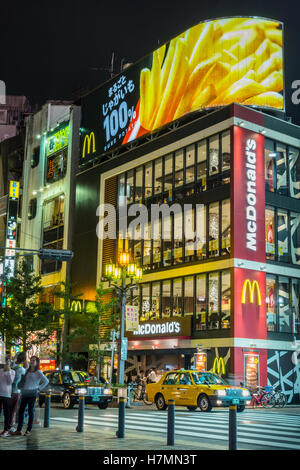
(251, 286)
(219, 366)
(76, 306)
(87, 144)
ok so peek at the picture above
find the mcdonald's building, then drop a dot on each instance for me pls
(222, 277)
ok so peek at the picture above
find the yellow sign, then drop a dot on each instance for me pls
(132, 317)
(76, 306)
(219, 366)
(87, 142)
(251, 286)
(58, 140)
(14, 189)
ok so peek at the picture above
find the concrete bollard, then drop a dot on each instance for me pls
(80, 425)
(232, 428)
(47, 410)
(171, 423)
(121, 431)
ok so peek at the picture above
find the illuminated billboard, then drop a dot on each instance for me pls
(212, 64)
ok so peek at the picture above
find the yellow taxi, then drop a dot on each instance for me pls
(196, 389)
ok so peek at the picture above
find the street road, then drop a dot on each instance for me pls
(257, 428)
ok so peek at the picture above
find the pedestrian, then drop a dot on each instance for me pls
(114, 377)
(16, 392)
(7, 376)
(34, 382)
(152, 378)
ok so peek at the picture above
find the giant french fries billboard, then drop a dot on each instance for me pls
(212, 64)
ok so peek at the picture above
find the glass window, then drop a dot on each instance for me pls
(201, 231)
(178, 239)
(225, 227)
(225, 301)
(168, 181)
(179, 168)
(282, 234)
(145, 302)
(32, 208)
(201, 302)
(213, 155)
(129, 187)
(147, 245)
(294, 163)
(167, 241)
(156, 236)
(158, 176)
(35, 157)
(53, 231)
(189, 233)
(148, 180)
(281, 169)
(177, 297)
(166, 299)
(213, 299)
(271, 303)
(270, 234)
(57, 166)
(284, 305)
(121, 189)
(226, 151)
(201, 164)
(139, 183)
(188, 295)
(190, 164)
(270, 162)
(213, 224)
(155, 300)
(295, 237)
(295, 305)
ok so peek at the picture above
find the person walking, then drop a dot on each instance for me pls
(16, 392)
(152, 378)
(7, 376)
(34, 382)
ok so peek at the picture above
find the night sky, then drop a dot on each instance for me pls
(49, 48)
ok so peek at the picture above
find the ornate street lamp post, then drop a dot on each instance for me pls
(119, 273)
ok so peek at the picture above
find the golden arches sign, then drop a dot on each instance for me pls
(251, 286)
(88, 140)
(76, 306)
(219, 366)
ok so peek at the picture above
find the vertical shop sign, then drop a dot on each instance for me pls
(132, 317)
(200, 361)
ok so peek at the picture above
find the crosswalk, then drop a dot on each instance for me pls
(255, 428)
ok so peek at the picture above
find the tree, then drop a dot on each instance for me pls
(95, 325)
(25, 317)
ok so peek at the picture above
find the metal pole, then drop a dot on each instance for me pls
(232, 428)
(171, 423)
(121, 431)
(80, 425)
(47, 410)
(122, 328)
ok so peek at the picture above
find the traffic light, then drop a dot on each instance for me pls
(56, 255)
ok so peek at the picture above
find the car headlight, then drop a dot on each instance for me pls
(107, 391)
(246, 393)
(220, 393)
(81, 391)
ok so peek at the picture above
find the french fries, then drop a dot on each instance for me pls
(213, 64)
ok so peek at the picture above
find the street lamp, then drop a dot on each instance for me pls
(120, 272)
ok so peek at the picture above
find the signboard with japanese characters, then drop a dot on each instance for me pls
(213, 64)
(132, 317)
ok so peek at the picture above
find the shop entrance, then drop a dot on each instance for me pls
(251, 371)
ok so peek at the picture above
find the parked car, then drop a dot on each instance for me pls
(66, 387)
(196, 389)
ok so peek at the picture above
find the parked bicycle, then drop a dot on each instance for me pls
(279, 399)
(139, 394)
(262, 397)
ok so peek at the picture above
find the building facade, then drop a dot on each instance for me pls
(222, 277)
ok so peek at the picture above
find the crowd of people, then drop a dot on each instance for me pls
(20, 385)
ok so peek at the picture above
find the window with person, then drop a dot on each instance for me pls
(155, 301)
(270, 232)
(171, 379)
(145, 313)
(213, 301)
(184, 379)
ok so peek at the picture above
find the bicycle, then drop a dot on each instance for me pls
(262, 397)
(139, 394)
(279, 399)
